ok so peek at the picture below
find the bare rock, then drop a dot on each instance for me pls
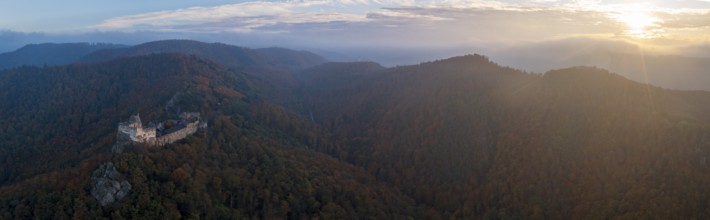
(108, 185)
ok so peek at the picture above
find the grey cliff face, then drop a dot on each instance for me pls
(107, 185)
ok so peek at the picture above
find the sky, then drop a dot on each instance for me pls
(672, 26)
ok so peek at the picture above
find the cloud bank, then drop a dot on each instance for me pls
(425, 22)
(463, 26)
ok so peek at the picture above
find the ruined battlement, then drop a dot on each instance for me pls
(132, 131)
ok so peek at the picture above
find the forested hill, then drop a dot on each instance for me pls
(228, 55)
(274, 66)
(67, 110)
(459, 138)
(474, 140)
(58, 124)
(50, 54)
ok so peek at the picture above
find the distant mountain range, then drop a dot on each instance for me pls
(50, 54)
(628, 60)
(274, 67)
(292, 136)
(231, 56)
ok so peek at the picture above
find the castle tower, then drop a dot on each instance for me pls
(135, 121)
(133, 130)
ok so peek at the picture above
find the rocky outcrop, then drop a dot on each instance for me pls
(108, 186)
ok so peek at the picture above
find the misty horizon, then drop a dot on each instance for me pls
(364, 29)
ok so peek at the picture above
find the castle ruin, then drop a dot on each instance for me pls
(133, 130)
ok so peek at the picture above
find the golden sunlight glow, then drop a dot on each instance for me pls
(639, 24)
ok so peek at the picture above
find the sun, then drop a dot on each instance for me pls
(638, 24)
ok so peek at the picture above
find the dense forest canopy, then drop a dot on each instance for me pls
(459, 138)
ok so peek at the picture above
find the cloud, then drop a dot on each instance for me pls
(184, 16)
(244, 17)
(248, 16)
(684, 20)
(420, 24)
(434, 22)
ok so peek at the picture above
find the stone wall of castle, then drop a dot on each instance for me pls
(189, 129)
(133, 131)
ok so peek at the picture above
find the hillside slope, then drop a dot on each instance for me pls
(59, 123)
(460, 138)
(228, 55)
(273, 66)
(472, 139)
